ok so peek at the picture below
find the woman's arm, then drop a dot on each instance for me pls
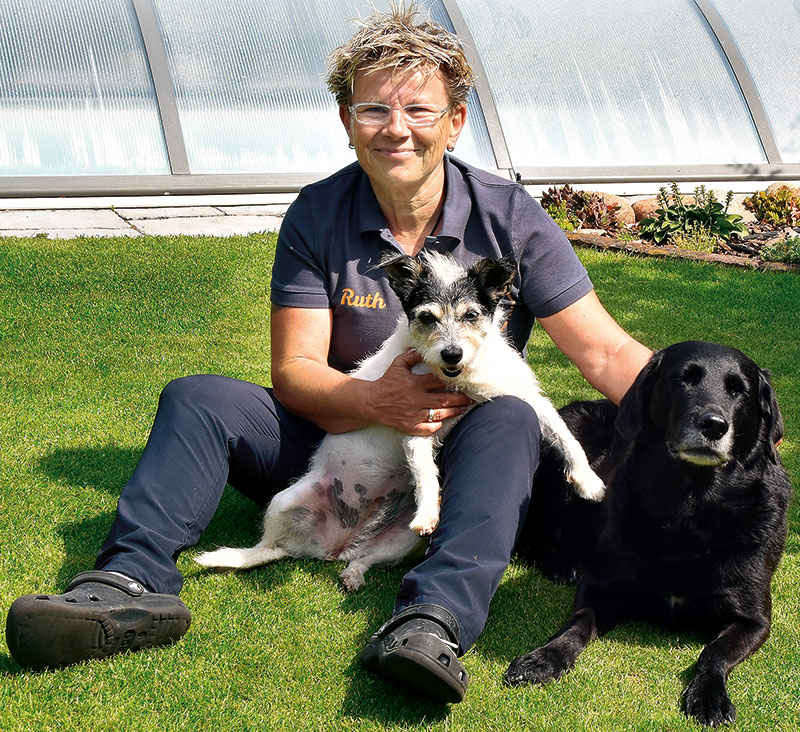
(605, 354)
(305, 384)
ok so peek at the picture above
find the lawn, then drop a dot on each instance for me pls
(90, 330)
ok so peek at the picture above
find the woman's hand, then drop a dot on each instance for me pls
(403, 400)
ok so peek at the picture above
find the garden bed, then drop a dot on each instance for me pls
(734, 258)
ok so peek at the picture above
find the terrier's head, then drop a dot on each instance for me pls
(450, 309)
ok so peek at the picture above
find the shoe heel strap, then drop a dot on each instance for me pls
(128, 586)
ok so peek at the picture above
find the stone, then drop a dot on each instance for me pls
(645, 208)
(625, 214)
(792, 186)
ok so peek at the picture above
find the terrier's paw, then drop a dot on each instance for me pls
(424, 523)
(352, 578)
(537, 667)
(587, 484)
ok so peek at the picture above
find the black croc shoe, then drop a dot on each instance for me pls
(101, 613)
(418, 648)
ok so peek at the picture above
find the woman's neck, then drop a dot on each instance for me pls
(412, 216)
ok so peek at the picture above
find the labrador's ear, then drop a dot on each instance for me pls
(403, 272)
(632, 408)
(493, 277)
(770, 412)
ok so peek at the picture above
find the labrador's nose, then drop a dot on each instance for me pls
(712, 425)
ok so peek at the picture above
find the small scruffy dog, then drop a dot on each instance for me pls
(356, 502)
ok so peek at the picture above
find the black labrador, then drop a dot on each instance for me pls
(693, 524)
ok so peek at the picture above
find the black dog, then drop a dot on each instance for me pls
(693, 524)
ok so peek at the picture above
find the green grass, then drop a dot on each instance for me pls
(90, 330)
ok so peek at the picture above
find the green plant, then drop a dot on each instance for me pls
(677, 218)
(573, 209)
(786, 250)
(778, 208)
(698, 239)
(561, 215)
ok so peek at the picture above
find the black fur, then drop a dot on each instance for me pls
(681, 544)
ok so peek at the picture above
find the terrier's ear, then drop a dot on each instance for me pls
(631, 415)
(403, 272)
(494, 276)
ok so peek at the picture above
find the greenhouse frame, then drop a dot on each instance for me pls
(139, 97)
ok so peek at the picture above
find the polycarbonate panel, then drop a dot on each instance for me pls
(250, 84)
(76, 97)
(609, 82)
(767, 33)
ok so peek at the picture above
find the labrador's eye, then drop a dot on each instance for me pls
(692, 375)
(734, 385)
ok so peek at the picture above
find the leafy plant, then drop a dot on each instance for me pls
(778, 208)
(573, 209)
(698, 239)
(677, 218)
(786, 250)
(561, 215)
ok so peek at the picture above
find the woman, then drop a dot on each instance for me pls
(401, 89)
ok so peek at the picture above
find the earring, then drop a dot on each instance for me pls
(450, 148)
(352, 146)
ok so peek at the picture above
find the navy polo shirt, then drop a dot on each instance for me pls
(333, 234)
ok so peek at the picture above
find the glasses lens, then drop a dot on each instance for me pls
(415, 115)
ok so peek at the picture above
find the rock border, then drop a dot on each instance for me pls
(604, 243)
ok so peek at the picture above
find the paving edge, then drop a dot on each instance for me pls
(604, 243)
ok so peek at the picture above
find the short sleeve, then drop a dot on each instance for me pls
(298, 277)
(552, 277)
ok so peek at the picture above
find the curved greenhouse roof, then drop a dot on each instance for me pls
(152, 96)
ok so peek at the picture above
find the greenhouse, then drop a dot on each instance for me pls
(194, 96)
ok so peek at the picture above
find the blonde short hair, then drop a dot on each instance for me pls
(392, 40)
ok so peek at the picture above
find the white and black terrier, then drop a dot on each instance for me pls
(369, 495)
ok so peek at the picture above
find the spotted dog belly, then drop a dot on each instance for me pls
(345, 509)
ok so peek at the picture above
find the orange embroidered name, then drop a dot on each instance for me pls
(350, 298)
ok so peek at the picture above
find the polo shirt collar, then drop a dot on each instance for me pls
(455, 214)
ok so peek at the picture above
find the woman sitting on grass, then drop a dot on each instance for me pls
(401, 88)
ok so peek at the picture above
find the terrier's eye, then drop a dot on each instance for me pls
(427, 318)
(470, 316)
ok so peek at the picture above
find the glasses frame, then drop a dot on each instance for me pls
(353, 109)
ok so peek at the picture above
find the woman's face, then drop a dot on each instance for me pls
(395, 155)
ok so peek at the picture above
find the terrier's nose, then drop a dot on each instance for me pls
(452, 355)
(712, 425)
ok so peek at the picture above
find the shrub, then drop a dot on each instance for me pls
(676, 218)
(779, 208)
(572, 209)
(786, 250)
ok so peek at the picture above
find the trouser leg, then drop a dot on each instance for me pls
(487, 466)
(208, 431)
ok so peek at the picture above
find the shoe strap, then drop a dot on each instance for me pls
(128, 586)
(426, 611)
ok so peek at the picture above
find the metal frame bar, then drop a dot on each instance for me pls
(497, 138)
(154, 185)
(165, 90)
(660, 173)
(182, 181)
(743, 77)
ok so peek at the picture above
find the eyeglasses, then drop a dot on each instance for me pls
(415, 115)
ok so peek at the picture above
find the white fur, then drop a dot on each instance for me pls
(355, 502)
